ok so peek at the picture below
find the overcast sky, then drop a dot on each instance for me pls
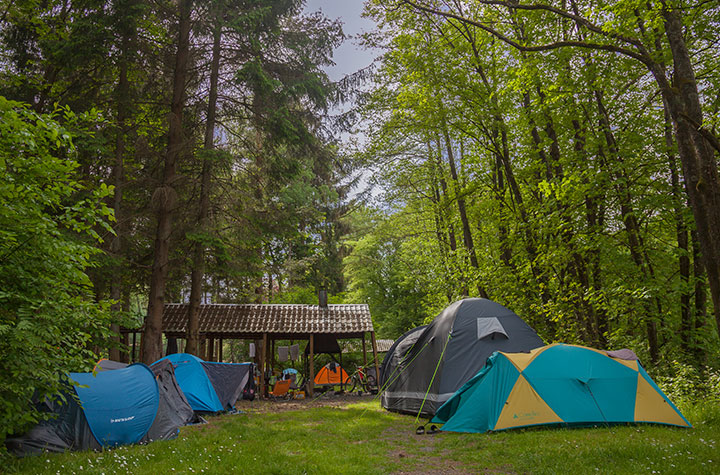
(349, 57)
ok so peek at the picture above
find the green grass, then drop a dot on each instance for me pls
(362, 438)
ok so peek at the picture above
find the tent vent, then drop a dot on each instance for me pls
(490, 327)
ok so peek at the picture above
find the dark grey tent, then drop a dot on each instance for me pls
(210, 386)
(107, 365)
(392, 362)
(105, 409)
(428, 364)
(175, 410)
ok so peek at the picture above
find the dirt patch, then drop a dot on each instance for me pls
(261, 406)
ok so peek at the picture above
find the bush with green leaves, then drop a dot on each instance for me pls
(695, 390)
(49, 224)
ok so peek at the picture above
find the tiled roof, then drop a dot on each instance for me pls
(249, 319)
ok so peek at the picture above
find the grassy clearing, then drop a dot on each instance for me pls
(362, 438)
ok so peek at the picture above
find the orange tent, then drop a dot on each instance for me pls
(332, 373)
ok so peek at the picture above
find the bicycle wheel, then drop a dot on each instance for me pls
(355, 382)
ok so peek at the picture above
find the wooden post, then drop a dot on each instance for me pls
(220, 348)
(132, 357)
(263, 369)
(377, 368)
(211, 349)
(272, 356)
(203, 347)
(311, 366)
(269, 359)
(364, 350)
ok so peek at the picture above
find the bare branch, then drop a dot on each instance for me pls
(641, 56)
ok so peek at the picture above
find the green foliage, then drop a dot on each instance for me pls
(380, 274)
(543, 180)
(48, 224)
(297, 295)
(694, 390)
(687, 384)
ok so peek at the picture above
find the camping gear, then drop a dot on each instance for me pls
(291, 374)
(427, 365)
(281, 389)
(331, 374)
(557, 385)
(115, 408)
(210, 386)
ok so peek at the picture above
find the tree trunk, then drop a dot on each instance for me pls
(198, 269)
(700, 308)
(467, 233)
(681, 231)
(122, 96)
(164, 198)
(630, 221)
(696, 152)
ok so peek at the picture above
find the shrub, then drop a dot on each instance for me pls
(48, 222)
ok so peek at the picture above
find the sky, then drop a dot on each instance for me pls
(349, 57)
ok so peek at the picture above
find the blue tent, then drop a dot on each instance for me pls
(559, 384)
(107, 409)
(121, 405)
(209, 386)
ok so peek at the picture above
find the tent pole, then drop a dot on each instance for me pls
(311, 377)
(377, 369)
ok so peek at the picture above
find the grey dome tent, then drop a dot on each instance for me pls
(427, 365)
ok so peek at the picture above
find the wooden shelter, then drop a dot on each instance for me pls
(268, 323)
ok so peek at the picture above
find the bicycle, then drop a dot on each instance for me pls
(364, 380)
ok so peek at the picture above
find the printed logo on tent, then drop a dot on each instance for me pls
(524, 416)
(122, 419)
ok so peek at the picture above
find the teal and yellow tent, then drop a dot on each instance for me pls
(557, 384)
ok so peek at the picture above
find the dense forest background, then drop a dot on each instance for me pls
(558, 158)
